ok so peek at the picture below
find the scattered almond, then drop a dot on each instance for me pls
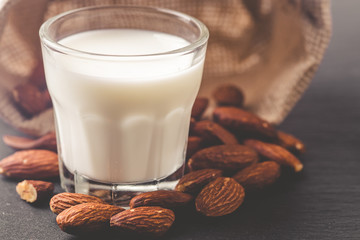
(275, 153)
(162, 198)
(224, 157)
(220, 197)
(258, 175)
(151, 221)
(37, 76)
(34, 191)
(244, 123)
(194, 144)
(199, 107)
(213, 133)
(194, 181)
(62, 201)
(290, 142)
(30, 99)
(86, 217)
(30, 164)
(47, 141)
(229, 94)
(192, 123)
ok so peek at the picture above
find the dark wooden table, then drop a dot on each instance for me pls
(323, 202)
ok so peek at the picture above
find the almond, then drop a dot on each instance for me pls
(213, 133)
(199, 107)
(34, 191)
(258, 175)
(194, 144)
(192, 124)
(194, 181)
(37, 76)
(46, 97)
(47, 141)
(244, 123)
(86, 217)
(151, 221)
(290, 142)
(62, 201)
(30, 99)
(275, 153)
(220, 197)
(162, 198)
(30, 164)
(229, 94)
(224, 157)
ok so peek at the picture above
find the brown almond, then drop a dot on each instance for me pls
(229, 95)
(30, 164)
(86, 218)
(162, 198)
(194, 181)
(258, 176)
(220, 197)
(192, 124)
(275, 153)
(213, 133)
(30, 99)
(65, 200)
(290, 142)
(47, 141)
(199, 107)
(151, 221)
(225, 157)
(37, 76)
(34, 191)
(243, 123)
(46, 97)
(194, 144)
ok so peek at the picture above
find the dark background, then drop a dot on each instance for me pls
(323, 202)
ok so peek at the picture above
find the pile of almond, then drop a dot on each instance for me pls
(230, 154)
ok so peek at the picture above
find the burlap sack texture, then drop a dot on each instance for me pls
(270, 48)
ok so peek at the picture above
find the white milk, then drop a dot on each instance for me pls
(125, 120)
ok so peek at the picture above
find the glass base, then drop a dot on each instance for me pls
(116, 194)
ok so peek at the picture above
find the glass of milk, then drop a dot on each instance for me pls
(123, 81)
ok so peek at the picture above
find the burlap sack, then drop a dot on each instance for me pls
(270, 48)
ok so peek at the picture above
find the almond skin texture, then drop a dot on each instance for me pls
(47, 141)
(275, 153)
(86, 217)
(244, 123)
(213, 133)
(220, 197)
(258, 176)
(224, 157)
(229, 95)
(162, 198)
(30, 164)
(34, 191)
(291, 143)
(150, 221)
(194, 181)
(199, 107)
(62, 201)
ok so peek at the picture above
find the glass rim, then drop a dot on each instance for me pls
(54, 45)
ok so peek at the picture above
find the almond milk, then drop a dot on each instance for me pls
(123, 119)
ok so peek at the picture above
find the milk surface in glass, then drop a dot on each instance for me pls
(127, 120)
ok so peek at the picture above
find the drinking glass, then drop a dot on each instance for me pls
(122, 119)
